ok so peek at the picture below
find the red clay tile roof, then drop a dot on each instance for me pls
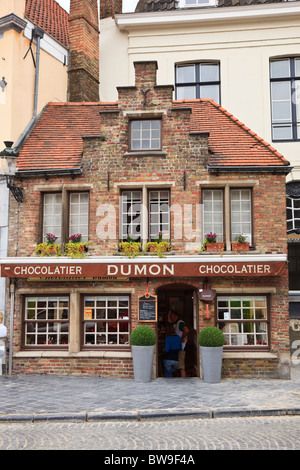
(51, 17)
(56, 141)
(231, 142)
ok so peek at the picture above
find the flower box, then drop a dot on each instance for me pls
(76, 250)
(130, 249)
(159, 247)
(48, 249)
(217, 246)
(238, 246)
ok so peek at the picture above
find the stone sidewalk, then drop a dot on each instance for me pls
(35, 398)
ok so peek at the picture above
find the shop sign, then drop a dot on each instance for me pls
(96, 270)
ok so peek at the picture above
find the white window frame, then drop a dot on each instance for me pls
(39, 324)
(142, 216)
(98, 319)
(235, 325)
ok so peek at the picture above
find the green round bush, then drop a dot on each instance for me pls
(211, 336)
(143, 335)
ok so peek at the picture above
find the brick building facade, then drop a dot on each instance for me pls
(141, 166)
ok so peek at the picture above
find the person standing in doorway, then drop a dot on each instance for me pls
(172, 347)
(181, 330)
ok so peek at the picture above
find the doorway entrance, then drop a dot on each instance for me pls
(182, 299)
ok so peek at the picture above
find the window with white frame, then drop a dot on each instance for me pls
(157, 207)
(46, 321)
(240, 200)
(243, 320)
(198, 80)
(106, 320)
(213, 212)
(240, 213)
(145, 134)
(285, 98)
(54, 217)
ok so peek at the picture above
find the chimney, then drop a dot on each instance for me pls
(108, 8)
(83, 72)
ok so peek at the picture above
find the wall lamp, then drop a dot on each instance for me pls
(8, 158)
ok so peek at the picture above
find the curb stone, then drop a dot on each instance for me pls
(146, 415)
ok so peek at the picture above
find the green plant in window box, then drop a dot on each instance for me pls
(48, 248)
(158, 246)
(240, 244)
(75, 248)
(130, 247)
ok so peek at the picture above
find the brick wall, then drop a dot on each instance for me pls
(83, 72)
(109, 7)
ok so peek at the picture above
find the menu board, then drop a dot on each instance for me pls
(148, 308)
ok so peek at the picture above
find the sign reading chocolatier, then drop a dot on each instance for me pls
(118, 269)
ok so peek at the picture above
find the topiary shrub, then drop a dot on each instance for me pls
(211, 336)
(143, 335)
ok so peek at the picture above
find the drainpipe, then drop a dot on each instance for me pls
(11, 330)
(37, 33)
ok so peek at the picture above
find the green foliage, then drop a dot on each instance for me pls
(158, 247)
(48, 249)
(143, 335)
(130, 249)
(211, 336)
(76, 250)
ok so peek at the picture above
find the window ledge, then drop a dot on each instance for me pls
(67, 354)
(146, 153)
(249, 355)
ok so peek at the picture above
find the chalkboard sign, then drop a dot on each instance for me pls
(148, 308)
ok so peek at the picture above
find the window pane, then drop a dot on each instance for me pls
(246, 330)
(210, 92)
(186, 74)
(282, 132)
(78, 221)
(209, 73)
(109, 327)
(39, 329)
(240, 213)
(186, 92)
(131, 214)
(280, 68)
(146, 135)
(213, 212)
(159, 214)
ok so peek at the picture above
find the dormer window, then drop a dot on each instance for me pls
(197, 3)
(145, 134)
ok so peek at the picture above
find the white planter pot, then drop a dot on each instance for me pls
(142, 357)
(211, 360)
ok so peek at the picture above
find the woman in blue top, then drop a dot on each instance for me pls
(172, 346)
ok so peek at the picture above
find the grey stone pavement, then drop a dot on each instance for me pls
(36, 398)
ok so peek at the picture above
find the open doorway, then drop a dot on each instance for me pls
(183, 300)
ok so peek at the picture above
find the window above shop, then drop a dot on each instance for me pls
(285, 98)
(64, 220)
(198, 80)
(145, 135)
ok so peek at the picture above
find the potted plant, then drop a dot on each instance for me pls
(142, 340)
(75, 248)
(158, 246)
(211, 341)
(130, 247)
(210, 243)
(49, 247)
(240, 244)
